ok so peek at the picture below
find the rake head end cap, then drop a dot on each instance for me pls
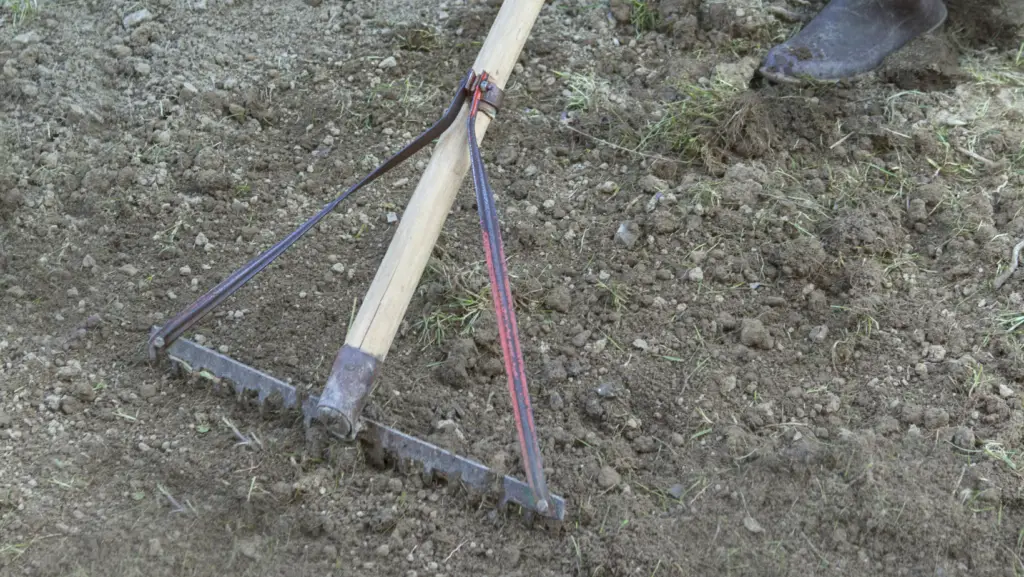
(542, 506)
(155, 343)
(347, 391)
(336, 423)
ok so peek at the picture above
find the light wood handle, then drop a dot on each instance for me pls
(399, 273)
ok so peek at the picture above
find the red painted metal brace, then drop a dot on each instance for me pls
(483, 91)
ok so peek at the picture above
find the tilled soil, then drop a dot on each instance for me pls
(762, 324)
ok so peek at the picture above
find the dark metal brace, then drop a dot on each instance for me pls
(192, 314)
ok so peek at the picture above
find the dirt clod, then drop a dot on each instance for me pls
(608, 477)
(964, 438)
(559, 299)
(935, 418)
(754, 334)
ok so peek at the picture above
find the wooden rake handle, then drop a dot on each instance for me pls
(370, 337)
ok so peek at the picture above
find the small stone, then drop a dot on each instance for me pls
(593, 408)
(754, 334)
(84, 392)
(136, 18)
(695, 274)
(201, 240)
(832, 405)
(555, 400)
(1005, 391)
(507, 156)
(580, 340)
(249, 548)
(627, 234)
(129, 270)
(728, 384)
(653, 184)
(644, 444)
(389, 62)
(69, 371)
(554, 371)
(676, 491)
(144, 447)
(963, 438)
(27, 38)
(5, 420)
(678, 439)
(621, 10)
(16, 291)
(641, 345)
(120, 51)
(30, 89)
(71, 405)
(559, 299)
(143, 68)
(383, 551)
(395, 485)
(752, 525)
(147, 390)
(610, 388)
(76, 112)
(608, 477)
(88, 261)
(607, 187)
(185, 271)
(338, 267)
(818, 333)
(188, 92)
(936, 353)
(162, 138)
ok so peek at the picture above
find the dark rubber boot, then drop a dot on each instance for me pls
(851, 37)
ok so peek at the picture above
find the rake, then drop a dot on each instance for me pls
(339, 408)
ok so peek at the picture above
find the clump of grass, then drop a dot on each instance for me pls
(996, 451)
(705, 119)
(418, 40)
(615, 294)
(457, 316)
(586, 91)
(1012, 322)
(464, 297)
(643, 17)
(19, 11)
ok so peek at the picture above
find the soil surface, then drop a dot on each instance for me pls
(762, 324)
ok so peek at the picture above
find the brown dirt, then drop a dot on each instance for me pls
(799, 368)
